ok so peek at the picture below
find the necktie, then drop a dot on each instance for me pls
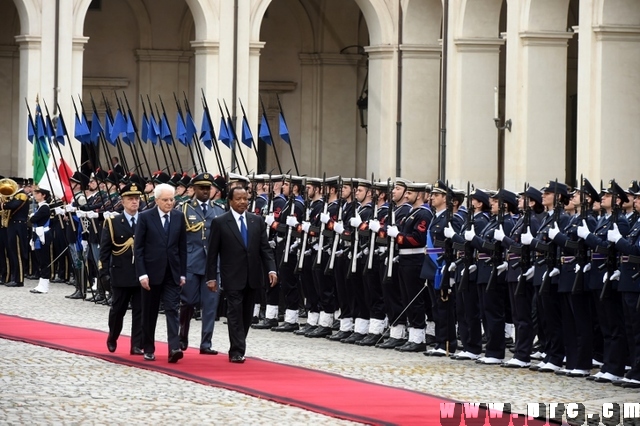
(243, 232)
(166, 223)
(133, 223)
(204, 208)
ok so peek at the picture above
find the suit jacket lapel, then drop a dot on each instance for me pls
(155, 218)
(231, 221)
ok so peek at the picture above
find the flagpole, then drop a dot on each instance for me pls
(101, 137)
(235, 136)
(135, 129)
(132, 148)
(275, 151)
(66, 171)
(164, 154)
(289, 142)
(66, 133)
(173, 142)
(38, 147)
(255, 148)
(188, 142)
(109, 116)
(214, 142)
(197, 146)
(153, 146)
(234, 161)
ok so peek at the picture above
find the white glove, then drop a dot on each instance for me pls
(498, 234)
(325, 218)
(270, 219)
(614, 234)
(40, 233)
(469, 234)
(448, 231)
(452, 282)
(85, 245)
(94, 215)
(355, 221)
(70, 208)
(81, 214)
(472, 268)
(32, 245)
(583, 230)
(374, 225)
(615, 276)
(502, 267)
(554, 272)
(305, 226)
(338, 227)
(577, 268)
(392, 231)
(452, 267)
(272, 244)
(587, 268)
(604, 277)
(529, 274)
(292, 221)
(59, 211)
(553, 231)
(526, 238)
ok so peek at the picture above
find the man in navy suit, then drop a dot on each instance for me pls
(239, 240)
(161, 267)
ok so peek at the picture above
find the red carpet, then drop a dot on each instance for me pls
(312, 390)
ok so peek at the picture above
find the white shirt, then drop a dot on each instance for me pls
(237, 216)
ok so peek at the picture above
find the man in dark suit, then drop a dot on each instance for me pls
(198, 214)
(239, 239)
(161, 267)
(118, 272)
(117, 167)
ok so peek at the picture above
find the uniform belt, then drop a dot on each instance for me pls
(435, 250)
(597, 256)
(624, 259)
(18, 221)
(567, 259)
(346, 243)
(511, 256)
(482, 256)
(407, 251)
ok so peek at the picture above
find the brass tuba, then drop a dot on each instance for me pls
(8, 188)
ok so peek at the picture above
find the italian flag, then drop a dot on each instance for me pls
(49, 173)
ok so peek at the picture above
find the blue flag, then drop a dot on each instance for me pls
(263, 131)
(247, 137)
(60, 130)
(50, 130)
(96, 129)
(130, 137)
(119, 127)
(108, 128)
(205, 131)
(145, 128)
(191, 128)
(165, 132)
(284, 131)
(80, 131)
(155, 134)
(181, 130)
(223, 134)
(31, 132)
(232, 134)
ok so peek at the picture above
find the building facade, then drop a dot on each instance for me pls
(563, 74)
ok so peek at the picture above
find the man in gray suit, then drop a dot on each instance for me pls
(198, 214)
(238, 243)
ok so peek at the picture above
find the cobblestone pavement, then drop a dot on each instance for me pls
(44, 386)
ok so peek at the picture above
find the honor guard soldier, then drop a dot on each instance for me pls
(235, 179)
(219, 191)
(603, 282)
(260, 191)
(181, 190)
(629, 287)
(17, 236)
(520, 276)
(198, 214)
(284, 222)
(439, 268)
(41, 239)
(399, 208)
(410, 235)
(491, 273)
(7, 187)
(117, 269)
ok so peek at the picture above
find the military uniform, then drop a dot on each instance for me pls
(41, 243)
(17, 237)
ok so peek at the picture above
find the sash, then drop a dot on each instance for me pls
(437, 281)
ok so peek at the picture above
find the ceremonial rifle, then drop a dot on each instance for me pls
(372, 237)
(391, 241)
(304, 236)
(497, 253)
(336, 237)
(291, 205)
(611, 264)
(525, 250)
(325, 206)
(466, 248)
(551, 250)
(582, 251)
(447, 245)
(355, 240)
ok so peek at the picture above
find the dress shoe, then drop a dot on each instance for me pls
(304, 330)
(354, 338)
(487, 360)
(336, 325)
(607, 378)
(340, 335)
(302, 313)
(631, 384)
(391, 343)
(255, 320)
(236, 359)
(593, 377)
(412, 347)
(536, 367)
(562, 372)
(596, 364)
(549, 368)
(36, 291)
(320, 331)
(370, 340)
(175, 355)
(436, 352)
(57, 280)
(184, 344)
(149, 357)
(516, 363)
(286, 327)
(578, 373)
(537, 355)
(14, 284)
(208, 351)
(465, 356)
(74, 296)
(136, 351)
(266, 324)
(112, 344)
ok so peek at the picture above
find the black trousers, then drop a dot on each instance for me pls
(17, 243)
(312, 302)
(344, 290)
(577, 330)
(169, 292)
(632, 321)
(44, 255)
(239, 313)
(4, 257)
(611, 319)
(552, 307)
(120, 298)
(325, 286)
(444, 314)
(411, 285)
(361, 296)
(392, 294)
(373, 287)
(521, 305)
(288, 282)
(470, 319)
(492, 305)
